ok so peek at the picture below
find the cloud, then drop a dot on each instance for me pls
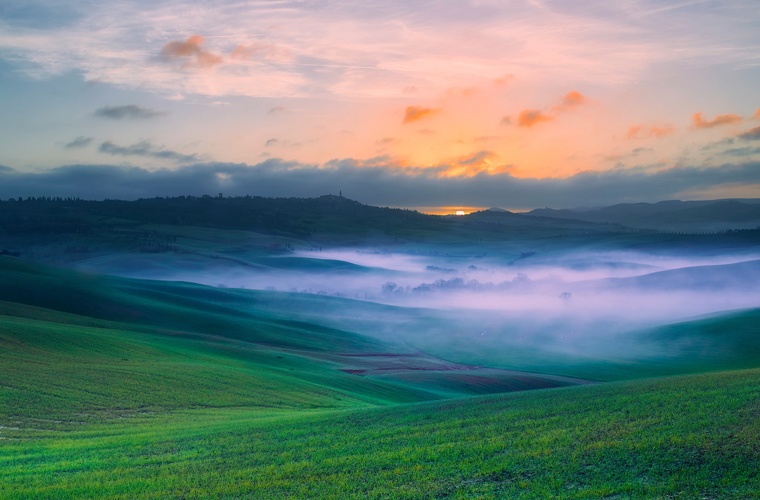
(79, 142)
(129, 111)
(506, 120)
(191, 51)
(146, 149)
(571, 100)
(260, 50)
(699, 122)
(461, 92)
(416, 113)
(751, 135)
(380, 182)
(756, 116)
(742, 151)
(621, 42)
(504, 79)
(275, 109)
(530, 117)
(649, 131)
(282, 143)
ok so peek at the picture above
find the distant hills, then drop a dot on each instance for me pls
(673, 215)
(334, 219)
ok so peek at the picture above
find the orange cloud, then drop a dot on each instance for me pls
(571, 100)
(647, 131)
(530, 117)
(416, 113)
(191, 49)
(481, 162)
(756, 116)
(699, 122)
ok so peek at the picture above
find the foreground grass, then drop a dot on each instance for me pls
(696, 436)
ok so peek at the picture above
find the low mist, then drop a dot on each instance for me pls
(575, 303)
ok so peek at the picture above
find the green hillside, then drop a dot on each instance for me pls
(119, 388)
(686, 437)
(77, 347)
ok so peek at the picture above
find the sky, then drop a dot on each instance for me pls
(435, 105)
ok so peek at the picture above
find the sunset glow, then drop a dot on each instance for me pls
(544, 93)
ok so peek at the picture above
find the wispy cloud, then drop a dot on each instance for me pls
(146, 149)
(79, 142)
(699, 122)
(409, 42)
(416, 113)
(261, 51)
(648, 131)
(504, 79)
(128, 111)
(742, 152)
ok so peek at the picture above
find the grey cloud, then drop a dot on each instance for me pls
(271, 142)
(79, 142)
(378, 182)
(742, 151)
(129, 111)
(751, 135)
(145, 149)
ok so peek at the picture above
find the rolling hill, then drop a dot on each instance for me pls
(121, 388)
(673, 215)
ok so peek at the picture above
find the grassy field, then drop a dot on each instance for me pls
(111, 387)
(684, 437)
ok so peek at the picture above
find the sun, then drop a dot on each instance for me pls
(460, 212)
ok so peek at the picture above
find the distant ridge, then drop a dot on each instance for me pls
(670, 215)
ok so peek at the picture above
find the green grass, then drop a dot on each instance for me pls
(685, 437)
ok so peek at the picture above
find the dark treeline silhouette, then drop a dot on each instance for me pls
(293, 216)
(297, 217)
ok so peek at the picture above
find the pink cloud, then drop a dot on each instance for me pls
(503, 80)
(192, 51)
(699, 122)
(260, 50)
(647, 131)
